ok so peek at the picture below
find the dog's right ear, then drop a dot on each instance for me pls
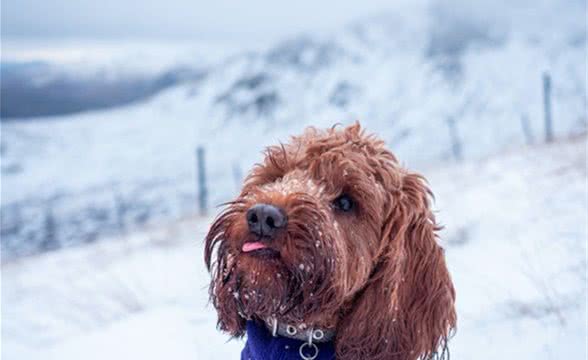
(406, 310)
(221, 265)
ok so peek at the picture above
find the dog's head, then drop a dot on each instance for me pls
(330, 231)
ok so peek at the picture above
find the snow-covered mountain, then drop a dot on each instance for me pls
(41, 78)
(42, 89)
(440, 81)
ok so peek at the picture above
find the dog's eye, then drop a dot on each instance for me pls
(343, 203)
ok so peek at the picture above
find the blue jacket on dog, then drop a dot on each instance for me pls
(261, 345)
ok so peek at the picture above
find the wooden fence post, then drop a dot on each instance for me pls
(201, 171)
(50, 240)
(547, 107)
(237, 175)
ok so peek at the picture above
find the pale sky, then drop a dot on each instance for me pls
(217, 20)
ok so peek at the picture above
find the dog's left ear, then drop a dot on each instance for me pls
(406, 311)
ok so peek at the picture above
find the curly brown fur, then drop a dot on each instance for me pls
(375, 273)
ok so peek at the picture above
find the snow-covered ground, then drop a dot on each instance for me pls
(139, 296)
(516, 247)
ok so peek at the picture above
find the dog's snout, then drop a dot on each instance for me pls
(265, 220)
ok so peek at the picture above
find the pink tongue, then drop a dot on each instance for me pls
(251, 246)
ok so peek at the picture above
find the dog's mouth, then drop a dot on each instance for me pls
(258, 248)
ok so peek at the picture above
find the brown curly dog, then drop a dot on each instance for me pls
(331, 233)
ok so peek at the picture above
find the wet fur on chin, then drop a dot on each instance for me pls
(375, 273)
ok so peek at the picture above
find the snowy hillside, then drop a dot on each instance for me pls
(435, 90)
(52, 78)
(515, 239)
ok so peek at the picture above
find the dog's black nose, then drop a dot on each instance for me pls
(265, 220)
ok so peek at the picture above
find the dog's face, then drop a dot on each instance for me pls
(329, 230)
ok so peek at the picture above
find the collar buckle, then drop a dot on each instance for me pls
(301, 332)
